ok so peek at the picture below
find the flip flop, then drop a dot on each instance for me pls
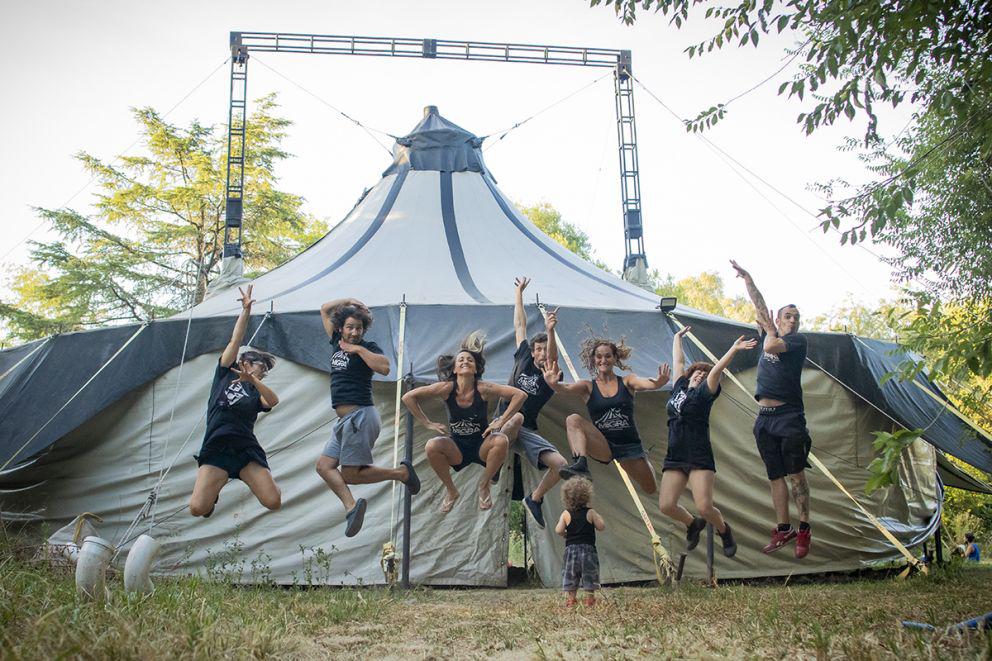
(447, 505)
(412, 481)
(355, 518)
(486, 503)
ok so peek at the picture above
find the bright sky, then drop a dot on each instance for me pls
(72, 69)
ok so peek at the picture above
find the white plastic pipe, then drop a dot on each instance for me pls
(91, 568)
(139, 563)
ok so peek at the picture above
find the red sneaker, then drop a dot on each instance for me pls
(570, 601)
(589, 600)
(802, 542)
(779, 539)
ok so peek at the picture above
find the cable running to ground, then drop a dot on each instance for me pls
(505, 132)
(368, 129)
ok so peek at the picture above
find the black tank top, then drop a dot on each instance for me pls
(579, 530)
(466, 423)
(614, 416)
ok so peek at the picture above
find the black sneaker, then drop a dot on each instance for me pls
(412, 481)
(729, 543)
(578, 468)
(355, 518)
(692, 533)
(535, 510)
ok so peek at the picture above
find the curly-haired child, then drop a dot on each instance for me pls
(578, 525)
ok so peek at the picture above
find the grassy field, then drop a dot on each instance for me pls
(40, 617)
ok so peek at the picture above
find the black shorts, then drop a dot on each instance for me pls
(624, 451)
(469, 447)
(783, 440)
(231, 458)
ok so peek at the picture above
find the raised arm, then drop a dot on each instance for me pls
(713, 378)
(492, 391)
(328, 308)
(413, 398)
(761, 310)
(231, 350)
(552, 376)
(550, 323)
(519, 315)
(678, 358)
(636, 383)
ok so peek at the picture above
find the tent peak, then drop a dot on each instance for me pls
(438, 144)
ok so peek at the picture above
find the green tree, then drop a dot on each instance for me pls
(154, 237)
(705, 292)
(549, 220)
(931, 196)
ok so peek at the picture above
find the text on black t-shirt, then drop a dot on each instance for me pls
(780, 374)
(232, 409)
(351, 377)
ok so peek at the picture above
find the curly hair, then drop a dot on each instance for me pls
(474, 344)
(620, 351)
(342, 314)
(698, 365)
(576, 493)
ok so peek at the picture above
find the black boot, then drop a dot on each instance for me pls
(692, 533)
(729, 543)
(577, 468)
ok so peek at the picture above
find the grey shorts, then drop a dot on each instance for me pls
(353, 436)
(581, 568)
(533, 446)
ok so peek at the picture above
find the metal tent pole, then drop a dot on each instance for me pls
(408, 455)
(710, 572)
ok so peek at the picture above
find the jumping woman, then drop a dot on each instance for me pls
(609, 399)
(347, 457)
(467, 439)
(230, 449)
(689, 461)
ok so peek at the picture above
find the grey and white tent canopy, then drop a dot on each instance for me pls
(89, 419)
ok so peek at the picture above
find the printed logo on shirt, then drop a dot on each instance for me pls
(465, 428)
(339, 361)
(235, 393)
(678, 400)
(529, 383)
(770, 357)
(613, 420)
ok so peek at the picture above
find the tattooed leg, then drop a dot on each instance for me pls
(800, 495)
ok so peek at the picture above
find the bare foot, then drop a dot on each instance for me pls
(449, 501)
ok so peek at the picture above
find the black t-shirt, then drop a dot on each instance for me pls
(232, 409)
(689, 412)
(351, 378)
(528, 377)
(780, 375)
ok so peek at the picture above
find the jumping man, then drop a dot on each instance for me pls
(347, 457)
(530, 359)
(780, 430)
